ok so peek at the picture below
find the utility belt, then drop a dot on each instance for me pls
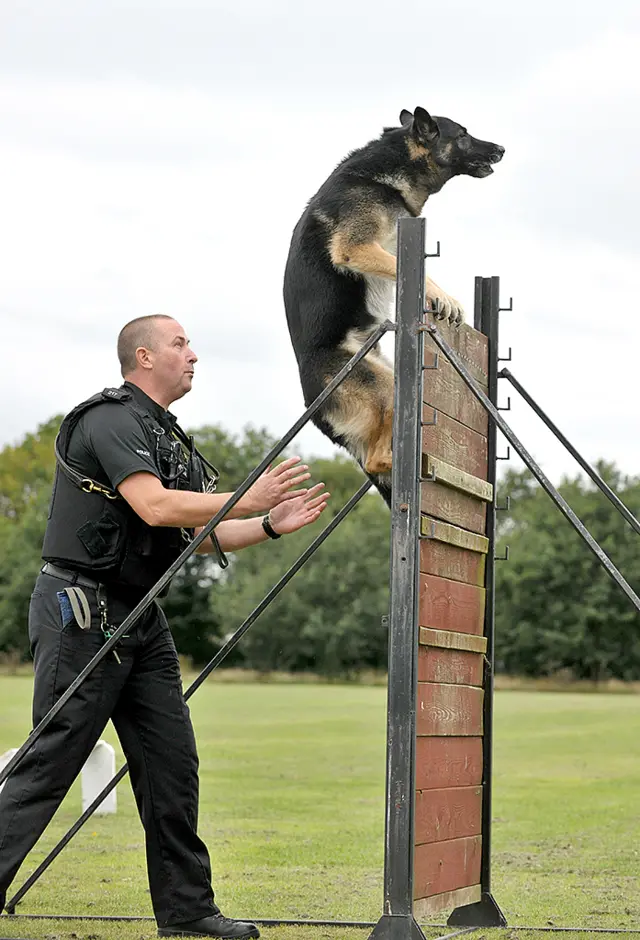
(74, 604)
(66, 575)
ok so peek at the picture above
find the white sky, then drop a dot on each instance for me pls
(155, 156)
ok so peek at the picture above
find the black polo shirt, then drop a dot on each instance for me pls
(109, 443)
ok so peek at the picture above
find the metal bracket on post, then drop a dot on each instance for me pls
(431, 534)
(397, 922)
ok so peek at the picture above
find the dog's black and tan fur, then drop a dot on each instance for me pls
(341, 271)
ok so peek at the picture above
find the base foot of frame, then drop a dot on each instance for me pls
(484, 913)
(397, 927)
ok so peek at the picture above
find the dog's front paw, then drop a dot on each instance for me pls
(456, 318)
(446, 307)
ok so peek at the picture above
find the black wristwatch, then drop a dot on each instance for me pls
(268, 528)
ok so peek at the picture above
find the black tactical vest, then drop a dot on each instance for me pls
(92, 529)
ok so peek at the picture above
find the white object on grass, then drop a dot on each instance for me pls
(96, 774)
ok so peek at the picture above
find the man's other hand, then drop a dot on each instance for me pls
(299, 510)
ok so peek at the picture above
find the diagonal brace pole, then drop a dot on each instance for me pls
(535, 469)
(624, 511)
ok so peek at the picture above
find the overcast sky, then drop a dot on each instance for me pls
(155, 156)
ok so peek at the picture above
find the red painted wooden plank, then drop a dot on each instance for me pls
(444, 390)
(446, 866)
(471, 345)
(449, 709)
(424, 909)
(451, 605)
(451, 505)
(458, 445)
(448, 762)
(460, 667)
(448, 814)
(449, 561)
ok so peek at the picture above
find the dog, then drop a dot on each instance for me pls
(341, 270)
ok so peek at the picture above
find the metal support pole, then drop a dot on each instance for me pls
(485, 912)
(535, 469)
(397, 921)
(624, 511)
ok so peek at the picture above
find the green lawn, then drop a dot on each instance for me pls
(292, 807)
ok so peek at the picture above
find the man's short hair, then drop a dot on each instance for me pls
(136, 333)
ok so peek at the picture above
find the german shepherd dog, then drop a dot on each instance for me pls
(341, 271)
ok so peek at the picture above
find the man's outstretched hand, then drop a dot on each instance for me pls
(277, 484)
(299, 510)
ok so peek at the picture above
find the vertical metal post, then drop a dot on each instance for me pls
(489, 325)
(477, 304)
(397, 921)
(486, 913)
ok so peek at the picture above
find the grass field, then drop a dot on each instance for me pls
(292, 806)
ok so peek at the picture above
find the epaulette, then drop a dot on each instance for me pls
(117, 394)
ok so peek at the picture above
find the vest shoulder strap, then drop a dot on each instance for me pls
(86, 484)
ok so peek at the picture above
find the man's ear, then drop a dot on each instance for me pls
(143, 360)
(424, 127)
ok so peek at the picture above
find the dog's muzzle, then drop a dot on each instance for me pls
(483, 166)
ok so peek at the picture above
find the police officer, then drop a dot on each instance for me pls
(130, 491)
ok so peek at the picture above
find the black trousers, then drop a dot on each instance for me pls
(143, 697)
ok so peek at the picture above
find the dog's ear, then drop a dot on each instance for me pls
(406, 117)
(424, 127)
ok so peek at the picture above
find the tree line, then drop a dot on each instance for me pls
(556, 610)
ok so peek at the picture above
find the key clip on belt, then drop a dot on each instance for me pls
(104, 619)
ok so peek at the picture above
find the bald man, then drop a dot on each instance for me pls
(130, 492)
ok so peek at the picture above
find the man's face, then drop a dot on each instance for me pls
(172, 359)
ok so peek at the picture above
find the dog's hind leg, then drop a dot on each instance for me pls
(360, 415)
(378, 456)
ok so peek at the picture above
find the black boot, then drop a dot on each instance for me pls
(224, 928)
